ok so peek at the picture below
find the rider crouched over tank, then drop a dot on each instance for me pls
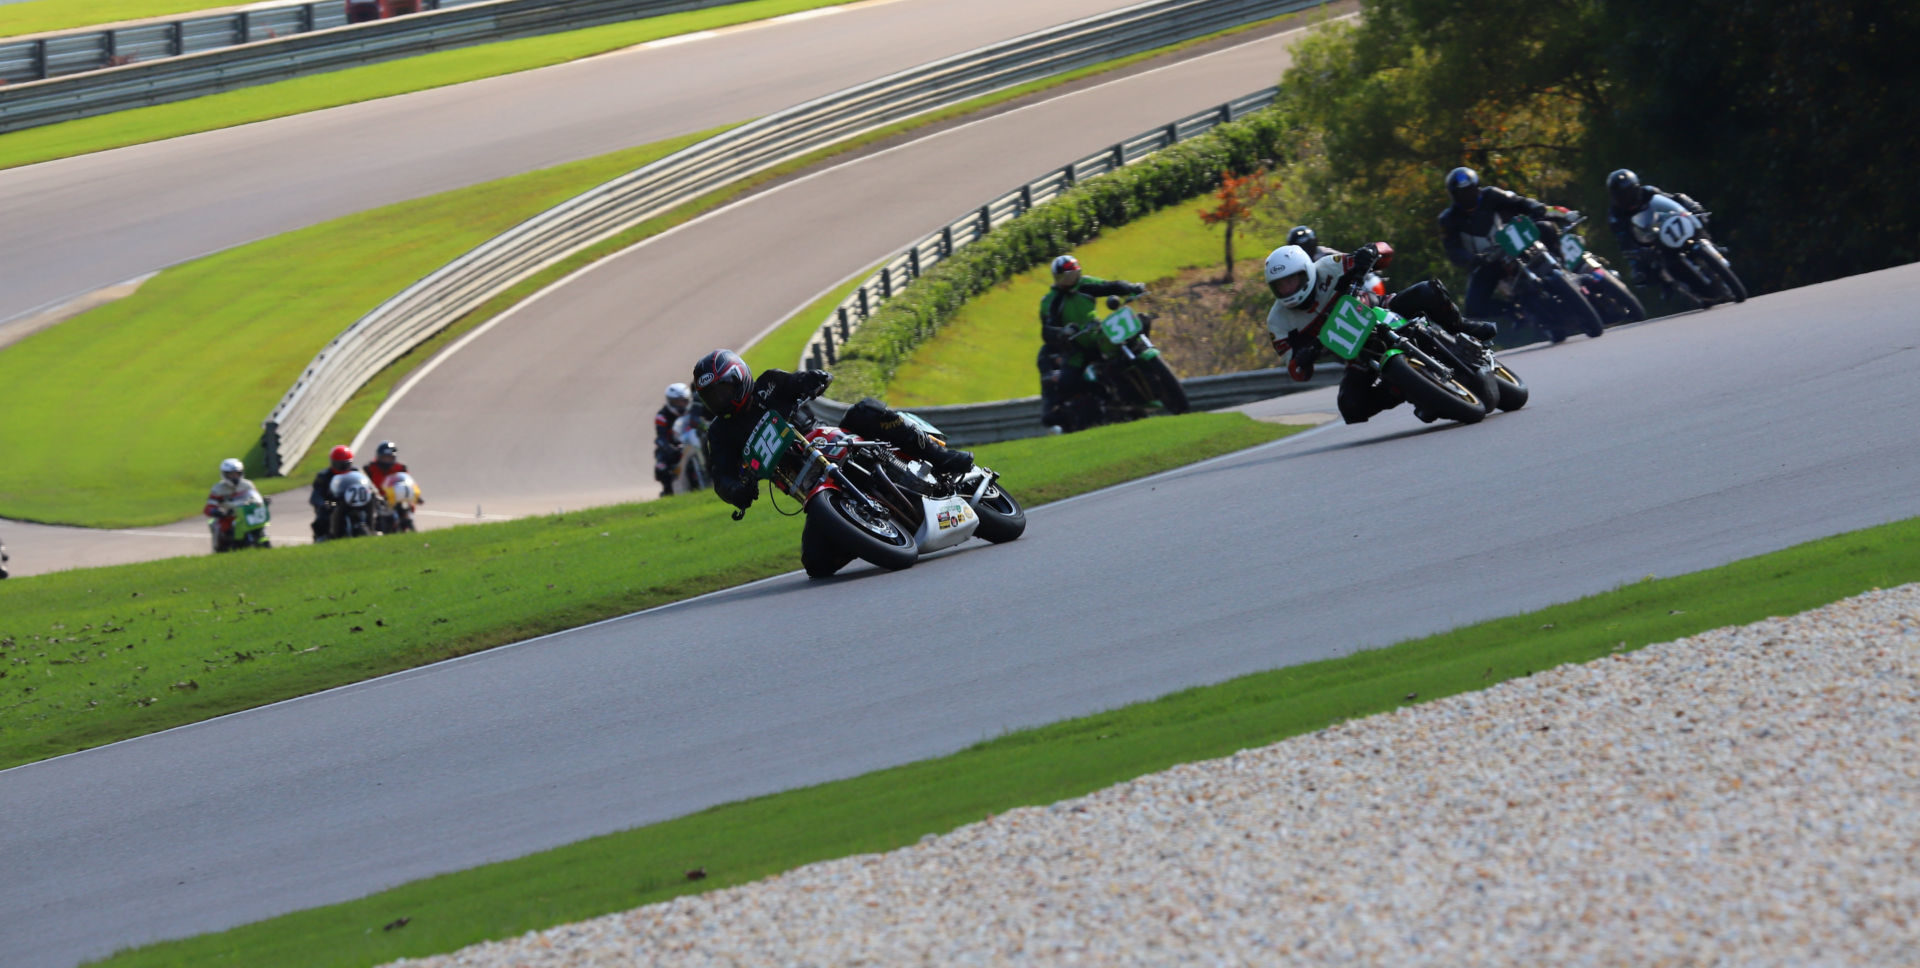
(1304, 292)
(737, 400)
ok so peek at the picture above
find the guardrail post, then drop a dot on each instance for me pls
(177, 38)
(866, 309)
(1026, 199)
(270, 448)
(846, 326)
(826, 340)
(986, 219)
(813, 356)
(40, 59)
(913, 263)
(1119, 155)
(243, 27)
(1068, 171)
(946, 242)
(1173, 134)
(109, 47)
(1226, 112)
(886, 282)
(306, 18)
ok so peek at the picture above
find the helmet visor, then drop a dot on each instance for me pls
(725, 394)
(1288, 285)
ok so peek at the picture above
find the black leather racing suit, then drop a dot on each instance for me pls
(1467, 235)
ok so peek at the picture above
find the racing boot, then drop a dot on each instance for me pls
(949, 462)
(1481, 329)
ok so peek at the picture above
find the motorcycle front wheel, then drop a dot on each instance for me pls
(1574, 305)
(1615, 301)
(1429, 391)
(1719, 270)
(862, 532)
(1513, 390)
(1166, 386)
(1001, 517)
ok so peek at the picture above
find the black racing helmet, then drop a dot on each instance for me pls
(1623, 188)
(723, 381)
(1463, 186)
(1303, 237)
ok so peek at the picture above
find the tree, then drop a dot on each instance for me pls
(1237, 197)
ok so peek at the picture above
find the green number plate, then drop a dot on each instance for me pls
(1514, 237)
(1121, 326)
(767, 443)
(1348, 326)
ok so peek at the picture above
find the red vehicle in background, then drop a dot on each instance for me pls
(359, 11)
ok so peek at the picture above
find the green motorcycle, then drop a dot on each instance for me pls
(1130, 373)
(248, 528)
(1440, 373)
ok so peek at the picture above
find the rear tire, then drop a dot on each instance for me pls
(1002, 518)
(1575, 307)
(1166, 386)
(1428, 391)
(853, 529)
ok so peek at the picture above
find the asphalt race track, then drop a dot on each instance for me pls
(83, 223)
(1659, 449)
(512, 398)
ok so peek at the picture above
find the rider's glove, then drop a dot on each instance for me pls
(741, 494)
(1136, 288)
(1363, 259)
(812, 383)
(1305, 348)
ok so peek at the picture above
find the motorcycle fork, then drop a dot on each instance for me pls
(895, 500)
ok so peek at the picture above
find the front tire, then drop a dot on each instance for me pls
(1428, 391)
(1575, 307)
(1513, 390)
(857, 530)
(1002, 518)
(1166, 386)
(1721, 272)
(1621, 305)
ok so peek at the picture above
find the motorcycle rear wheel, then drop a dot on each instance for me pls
(1428, 391)
(1002, 518)
(856, 530)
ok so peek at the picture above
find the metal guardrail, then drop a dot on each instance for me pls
(429, 305)
(971, 227)
(254, 53)
(984, 423)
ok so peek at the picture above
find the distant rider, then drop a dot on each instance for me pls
(1309, 242)
(229, 494)
(1467, 227)
(1627, 197)
(667, 451)
(1068, 305)
(386, 463)
(729, 390)
(321, 497)
(1304, 292)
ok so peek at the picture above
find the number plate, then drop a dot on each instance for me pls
(1347, 327)
(766, 442)
(1677, 228)
(255, 515)
(1571, 250)
(1514, 237)
(1121, 326)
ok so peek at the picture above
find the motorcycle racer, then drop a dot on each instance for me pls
(666, 445)
(340, 462)
(1304, 292)
(1071, 302)
(1627, 197)
(229, 494)
(1467, 227)
(726, 386)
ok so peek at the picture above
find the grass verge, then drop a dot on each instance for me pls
(95, 655)
(740, 842)
(275, 302)
(986, 351)
(356, 84)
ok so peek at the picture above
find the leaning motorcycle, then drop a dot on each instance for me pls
(1542, 290)
(872, 502)
(1602, 286)
(1688, 260)
(1129, 377)
(690, 472)
(1441, 374)
(399, 499)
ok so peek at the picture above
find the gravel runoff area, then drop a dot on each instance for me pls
(1748, 795)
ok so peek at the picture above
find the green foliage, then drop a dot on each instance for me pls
(741, 842)
(868, 360)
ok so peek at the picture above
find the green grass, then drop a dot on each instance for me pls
(95, 655)
(356, 84)
(986, 352)
(203, 351)
(41, 16)
(741, 842)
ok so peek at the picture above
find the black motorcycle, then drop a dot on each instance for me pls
(1543, 292)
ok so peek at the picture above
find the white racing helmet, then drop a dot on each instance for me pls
(232, 465)
(679, 397)
(1290, 276)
